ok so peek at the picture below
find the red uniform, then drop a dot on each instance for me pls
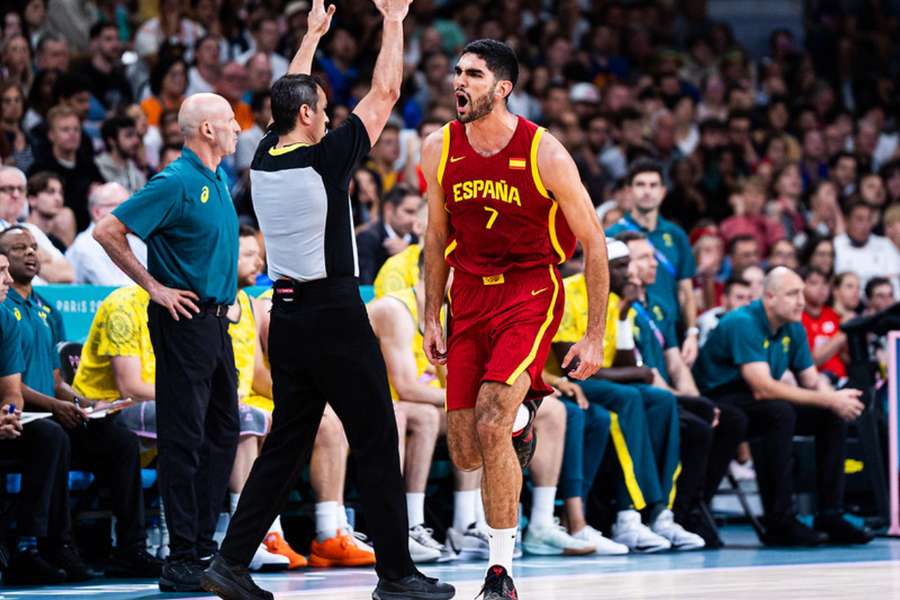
(819, 331)
(506, 236)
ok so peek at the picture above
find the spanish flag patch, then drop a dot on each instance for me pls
(517, 163)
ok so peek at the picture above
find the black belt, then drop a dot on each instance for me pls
(215, 310)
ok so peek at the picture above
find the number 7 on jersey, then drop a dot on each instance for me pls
(494, 214)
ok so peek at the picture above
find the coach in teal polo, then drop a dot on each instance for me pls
(741, 366)
(673, 288)
(186, 216)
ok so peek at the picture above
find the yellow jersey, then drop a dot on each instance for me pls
(424, 370)
(119, 329)
(243, 340)
(574, 321)
(399, 272)
(253, 398)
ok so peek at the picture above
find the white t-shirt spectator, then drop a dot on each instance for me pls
(878, 257)
(94, 266)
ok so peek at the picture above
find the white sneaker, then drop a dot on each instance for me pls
(263, 560)
(629, 530)
(681, 538)
(553, 540)
(424, 536)
(361, 540)
(475, 544)
(604, 545)
(454, 539)
(742, 472)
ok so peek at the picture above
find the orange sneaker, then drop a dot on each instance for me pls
(278, 545)
(339, 551)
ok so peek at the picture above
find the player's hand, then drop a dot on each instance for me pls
(10, 426)
(570, 389)
(394, 10)
(846, 404)
(434, 344)
(69, 415)
(588, 353)
(319, 19)
(177, 302)
(689, 350)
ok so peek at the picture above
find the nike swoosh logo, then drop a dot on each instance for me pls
(540, 291)
(454, 159)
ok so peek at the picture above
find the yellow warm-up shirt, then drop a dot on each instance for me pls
(243, 340)
(119, 329)
(399, 272)
(253, 398)
(574, 321)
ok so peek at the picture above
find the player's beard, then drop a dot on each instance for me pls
(478, 108)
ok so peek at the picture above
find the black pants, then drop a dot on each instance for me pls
(704, 446)
(776, 422)
(42, 508)
(197, 425)
(322, 349)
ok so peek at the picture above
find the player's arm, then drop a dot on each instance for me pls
(11, 391)
(317, 23)
(396, 330)
(436, 269)
(845, 403)
(375, 107)
(126, 372)
(560, 176)
(682, 378)
(691, 346)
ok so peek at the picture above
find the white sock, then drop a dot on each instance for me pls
(464, 508)
(276, 526)
(503, 545)
(342, 522)
(326, 520)
(235, 498)
(542, 501)
(480, 519)
(415, 508)
(521, 418)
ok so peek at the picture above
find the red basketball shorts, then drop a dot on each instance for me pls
(501, 327)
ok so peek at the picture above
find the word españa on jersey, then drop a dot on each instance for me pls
(487, 188)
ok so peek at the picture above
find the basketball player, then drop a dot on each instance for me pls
(506, 205)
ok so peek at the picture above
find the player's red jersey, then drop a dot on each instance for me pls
(820, 331)
(501, 216)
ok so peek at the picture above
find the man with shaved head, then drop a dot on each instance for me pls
(741, 365)
(186, 216)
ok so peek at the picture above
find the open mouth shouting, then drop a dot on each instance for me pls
(462, 102)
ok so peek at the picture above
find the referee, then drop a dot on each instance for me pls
(321, 346)
(187, 217)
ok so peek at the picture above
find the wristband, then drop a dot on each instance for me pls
(692, 331)
(624, 337)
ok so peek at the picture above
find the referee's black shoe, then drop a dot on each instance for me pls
(525, 439)
(841, 531)
(791, 532)
(413, 587)
(180, 576)
(231, 582)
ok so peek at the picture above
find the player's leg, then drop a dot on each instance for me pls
(400, 416)
(544, 535)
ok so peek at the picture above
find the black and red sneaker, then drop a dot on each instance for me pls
(525, 440)
(498, 585)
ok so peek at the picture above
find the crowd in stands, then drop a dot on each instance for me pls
(751, 201)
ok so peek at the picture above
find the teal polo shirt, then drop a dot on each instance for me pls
(37, 345)
(186, 216)
(744, 336)
(10, 343)
(654, 333)
(674, 255)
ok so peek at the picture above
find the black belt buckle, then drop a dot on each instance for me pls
(219, 310)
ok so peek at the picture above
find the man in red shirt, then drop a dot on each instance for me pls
(826, 340)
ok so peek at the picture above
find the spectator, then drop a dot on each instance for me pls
(846, 295)
(168, 83)
(844, 173)
(687, 134)
(818, 253)
(685, 204)
(16, 60)
(788, 188)
(167, 154)
(741, 364)
(12, 115)
(783, 254)
(862, 252)
(392, 234)
(47, 212)
(749, 218)
(171, 24)
(872, 192)
(736, 295)
(261, 107)
(207, 67)
(70, 90)
(231, 86)
(384, 155)
(13, 193)
(118, 164)
(743, 252)
(892, 224)
(259, 75)
(109, 86)
(264, 35)
(827, 342)
(814, 167)
(890, 174)
(708, 253)
(52, 52)
(77, 174)
(879, 295)
(339, 62)
(92, 264)
(825, 216)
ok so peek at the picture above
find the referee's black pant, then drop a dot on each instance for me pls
(322, 349)
(776, 422)
(196, 425)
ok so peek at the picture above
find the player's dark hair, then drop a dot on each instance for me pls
(258, 100)
(245, 230)
(630, 236)
(809, 271)
(733, 242)
(112, 126)
(875, 282)
(500, 58)
(397, 195)
(733, 281)
(644, 165)
(289, 94)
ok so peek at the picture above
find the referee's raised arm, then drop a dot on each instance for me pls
(376, 106)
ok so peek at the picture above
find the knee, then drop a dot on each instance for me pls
(430, 421)
(330, 432)
(464, 454)
(551, 418)
(491, 427)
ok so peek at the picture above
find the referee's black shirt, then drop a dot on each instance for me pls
(301, 198)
